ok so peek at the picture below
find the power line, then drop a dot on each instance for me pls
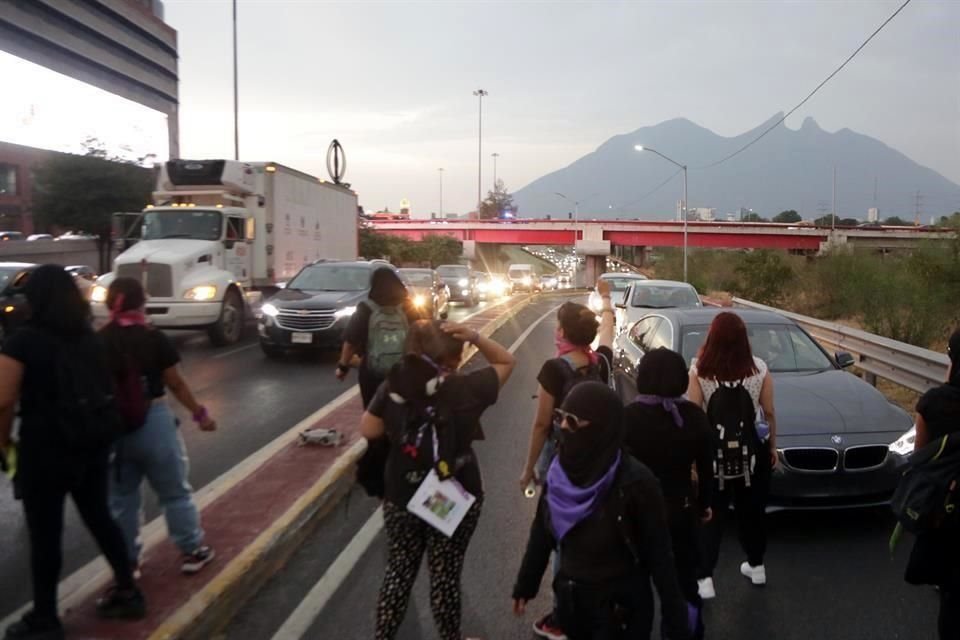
(652, 191)
(810, 95)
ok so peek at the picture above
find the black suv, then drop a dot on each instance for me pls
(313, 309)
(462, 283)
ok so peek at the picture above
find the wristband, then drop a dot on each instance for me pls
(343, 368)
(200, 414)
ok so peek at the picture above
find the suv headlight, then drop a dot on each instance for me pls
(904, 444)
(202, 293)
(419, 300)
(98, 293)
(346, 312)
(463, 282)
(269, 310)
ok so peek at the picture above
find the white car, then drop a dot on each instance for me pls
(619, 283)
(643, 296)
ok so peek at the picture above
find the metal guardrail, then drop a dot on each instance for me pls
(904, 364)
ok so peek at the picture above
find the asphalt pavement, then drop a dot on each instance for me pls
(830, 574)
(253, 399)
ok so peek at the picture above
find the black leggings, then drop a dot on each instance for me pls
(408, 537)
(949, 621)
(46, 479)
(750, 504)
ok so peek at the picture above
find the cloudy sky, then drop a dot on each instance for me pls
(393, 81)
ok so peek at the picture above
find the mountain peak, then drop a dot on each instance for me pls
(809, 124)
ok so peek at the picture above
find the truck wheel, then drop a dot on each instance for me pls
(229, 328)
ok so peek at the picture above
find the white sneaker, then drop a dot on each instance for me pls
(705, 589)
(757, 575)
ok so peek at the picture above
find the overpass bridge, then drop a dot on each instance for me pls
(595, 238)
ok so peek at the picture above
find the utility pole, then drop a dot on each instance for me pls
(236, 95)
(833, 217)
(495, 156)
(440, 171)
(916, 208)
(480, 93)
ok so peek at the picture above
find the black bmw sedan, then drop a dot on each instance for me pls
(841, 443)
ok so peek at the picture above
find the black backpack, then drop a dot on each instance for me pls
(85, 413)
(927, 495)
(733, 416)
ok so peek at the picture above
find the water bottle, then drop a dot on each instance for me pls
(530, 490)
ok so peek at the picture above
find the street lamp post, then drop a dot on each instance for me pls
(440, 171)
(480, 93)
(236, 95)
(576, 220)
(683, 209)
(495, 156)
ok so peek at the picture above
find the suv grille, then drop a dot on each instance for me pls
(812, 459)
(865, 457)
(305, 319)
(159, 282)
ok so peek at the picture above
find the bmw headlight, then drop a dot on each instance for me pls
(98, 293)
(463, 282)
(202, 293)
(346, 312)
(269, 310)
(904, 444)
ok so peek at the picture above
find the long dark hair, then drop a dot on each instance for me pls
(726, 354)
(386, 287)
(430, 352)
(578, 322)
(56, 304)
(662, 372)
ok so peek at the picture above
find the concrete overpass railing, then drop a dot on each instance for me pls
(904, 364)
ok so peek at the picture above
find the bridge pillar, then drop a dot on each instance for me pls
(595, 266)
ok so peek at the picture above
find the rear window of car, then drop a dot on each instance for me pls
(452, 271)
(785, 348)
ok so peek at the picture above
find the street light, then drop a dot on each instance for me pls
(640, 147)
(576, 219)
(440, 171)
(495, 156)
(480, 93)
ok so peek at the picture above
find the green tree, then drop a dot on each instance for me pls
(753, 217)
(433, 249)
(439, 249)
(81, 193)
(848, 222)
(497, 202)
(896, 221)
(787, 216)
(827, 221)
(763, 276)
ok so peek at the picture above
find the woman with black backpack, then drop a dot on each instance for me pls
(54, 366)
(736, 391)
(670, 434)
(935, 558)
(605, 513)
(152, 447)
(430, 414)
(575, 362)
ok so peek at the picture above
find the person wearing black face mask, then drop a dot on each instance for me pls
(935, 558)
(605, 513)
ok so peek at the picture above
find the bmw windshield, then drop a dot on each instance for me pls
(785, 348)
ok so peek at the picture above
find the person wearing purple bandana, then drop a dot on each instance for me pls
(604, 511)
(671, 435)
(575, 362)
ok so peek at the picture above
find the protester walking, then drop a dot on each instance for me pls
(605, 513)
(430, 414)
(377, 331)
(55, 367)
(736, 390)
(145, 364)
(935, 559)
(575, 362)
(670, 435)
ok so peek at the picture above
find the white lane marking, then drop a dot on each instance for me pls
(300, 621)
(296, 626)
(225, 354)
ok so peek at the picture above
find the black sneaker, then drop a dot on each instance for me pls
(194, 562)
(125, 604)
(31, 627)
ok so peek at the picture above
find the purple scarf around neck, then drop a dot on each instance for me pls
(668, 404)
(570, 504)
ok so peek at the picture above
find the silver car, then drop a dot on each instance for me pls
(644, 295)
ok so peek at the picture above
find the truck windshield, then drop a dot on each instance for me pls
(195, 224)
(331, 277)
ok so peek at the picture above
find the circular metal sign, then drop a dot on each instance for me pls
(336, 162)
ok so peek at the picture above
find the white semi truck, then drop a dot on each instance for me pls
(221, 233)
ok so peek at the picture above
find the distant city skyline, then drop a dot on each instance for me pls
(394, 82)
